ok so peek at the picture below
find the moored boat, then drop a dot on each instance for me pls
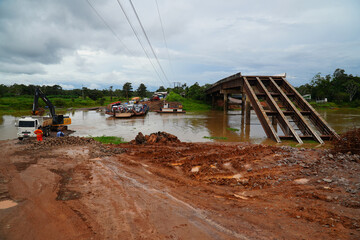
(167, 109)
(140, 109)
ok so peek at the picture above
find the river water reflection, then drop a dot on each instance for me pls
(189, 127)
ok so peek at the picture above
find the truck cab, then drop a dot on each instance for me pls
(27, 125)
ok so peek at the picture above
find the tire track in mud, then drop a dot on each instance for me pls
(196, 216)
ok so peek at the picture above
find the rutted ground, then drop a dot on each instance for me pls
(75, 188)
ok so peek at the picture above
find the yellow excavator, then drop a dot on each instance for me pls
(28, 124)
(57, 120)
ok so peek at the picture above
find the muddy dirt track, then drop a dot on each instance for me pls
(75, 188)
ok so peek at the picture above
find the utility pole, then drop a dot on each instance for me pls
(82, 91)
(177, 84)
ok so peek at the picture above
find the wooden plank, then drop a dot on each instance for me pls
(286, 113)
(315, 114)
(282, 119)
(297, 113)
(264, 119)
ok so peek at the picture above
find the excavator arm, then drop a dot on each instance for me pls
(57, 119)
(39, 93)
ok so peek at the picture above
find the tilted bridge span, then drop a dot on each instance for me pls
(276, 103)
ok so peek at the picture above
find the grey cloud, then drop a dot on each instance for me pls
(28, 69)
(207, 39)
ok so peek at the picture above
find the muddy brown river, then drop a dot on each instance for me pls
(189, 127)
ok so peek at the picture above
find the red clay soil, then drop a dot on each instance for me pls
(75, 188)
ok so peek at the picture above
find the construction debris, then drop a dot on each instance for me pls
(68, 140)
(349, 142)
(159, 137)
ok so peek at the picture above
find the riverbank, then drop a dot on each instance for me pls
(176, 190)
(334, 106)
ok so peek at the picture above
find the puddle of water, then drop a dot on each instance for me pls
(77, 152)
(7, 204)
(189, 127)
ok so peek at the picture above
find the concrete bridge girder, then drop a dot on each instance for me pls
(266, 92)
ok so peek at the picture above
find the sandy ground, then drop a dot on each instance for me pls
(73, 188)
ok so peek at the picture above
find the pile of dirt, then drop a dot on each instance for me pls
(349, 142)
(61, 141)
(159, 137)
(156, 105)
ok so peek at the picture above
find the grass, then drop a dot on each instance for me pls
(233, 129)
(215, 138)
(312, 144)
(22, 105)
(324, 105)
(109, 139)
(188, 104)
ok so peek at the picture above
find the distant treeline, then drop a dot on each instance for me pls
(339, 87)
(195, 91)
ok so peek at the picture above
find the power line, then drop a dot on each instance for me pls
(113, 32)
(142, 28)
(163, 32)
(137, 37)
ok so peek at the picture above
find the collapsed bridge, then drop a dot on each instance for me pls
(276, 103)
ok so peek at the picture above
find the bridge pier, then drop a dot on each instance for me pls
(226, 102)
(213, 100)
(247, 109)
(243, 103)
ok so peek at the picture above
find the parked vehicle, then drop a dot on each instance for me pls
(155, 98)
(27, 125)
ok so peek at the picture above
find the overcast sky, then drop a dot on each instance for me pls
(65, 42)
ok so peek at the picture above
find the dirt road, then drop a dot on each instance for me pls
(75, 188)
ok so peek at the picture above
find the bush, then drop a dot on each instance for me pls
(188, 104)
(58, 102)
(174, 97)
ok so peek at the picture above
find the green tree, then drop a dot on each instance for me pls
(111, 92)
(196, 92)
(141, 91)
(338, 87)
(161, 89)
(3, 89)
(118, 93)
(94, 94)
(127, 90)
(351, 88)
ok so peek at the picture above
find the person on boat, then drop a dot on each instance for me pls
(39, 134)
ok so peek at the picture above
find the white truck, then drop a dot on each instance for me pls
(27, 125)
